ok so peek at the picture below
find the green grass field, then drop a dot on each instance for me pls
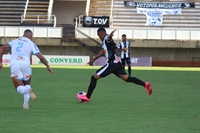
(115, 107)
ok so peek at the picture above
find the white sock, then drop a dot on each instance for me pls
(28, 86)
(23, 90)
(27, 96)
(26, 99)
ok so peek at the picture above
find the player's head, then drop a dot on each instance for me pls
(28, 33)
(101, 32)
(124, 37)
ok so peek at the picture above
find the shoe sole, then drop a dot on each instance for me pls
(150, 92)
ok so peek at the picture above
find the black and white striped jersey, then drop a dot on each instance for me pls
(122, 45)
(109, 49)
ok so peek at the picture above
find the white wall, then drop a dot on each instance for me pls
(66, 11)
(43, 32)
(145, 33)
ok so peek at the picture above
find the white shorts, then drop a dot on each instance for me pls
(21, 72)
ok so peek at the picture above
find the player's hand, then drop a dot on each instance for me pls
(91, 61)
(49, 69)
(112, 33)
(1, 66)
(125, 49)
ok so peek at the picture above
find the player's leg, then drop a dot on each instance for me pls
(100, 73)
(122, 74)
(91, 87)
(27, 72)
(135, 80)
(123, 63)
(26, 96)
(128, 61)
(17, 78)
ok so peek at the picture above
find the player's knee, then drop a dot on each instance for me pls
(93, 78)
(96, 76)
(128, 79)
(17, 85)
(124, 77)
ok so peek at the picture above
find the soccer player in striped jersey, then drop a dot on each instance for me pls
(124, 48)
(21, 49)
(113, 65)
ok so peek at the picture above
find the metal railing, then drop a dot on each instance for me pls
(86, 38)
(79, 21)
(50, 10)
(25, 9)
(39, 19)
(111, 14)
(86, 41)
(87, 8)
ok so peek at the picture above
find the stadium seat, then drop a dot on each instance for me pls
(37, 9)
(100, 7)
(11, 11)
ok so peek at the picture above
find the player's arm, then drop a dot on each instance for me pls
(101, 53)
(111, 35)
(120, 50)
(36, 52)
(2, 49)
(44, 61)
(119, 47)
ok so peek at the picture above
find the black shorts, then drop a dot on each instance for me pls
(125, 61)
(115, 68)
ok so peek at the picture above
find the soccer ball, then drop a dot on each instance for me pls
(80, 93)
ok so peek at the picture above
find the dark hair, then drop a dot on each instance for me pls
(101, 29)
(124, 35)
(27, 30)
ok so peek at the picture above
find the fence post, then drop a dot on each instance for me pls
(38, 19)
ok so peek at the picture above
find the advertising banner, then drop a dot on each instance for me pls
(159, 5)
(135, 61)
(6, 59)
(63, 60)
(95, 21)
(155, 16)
(154, 11)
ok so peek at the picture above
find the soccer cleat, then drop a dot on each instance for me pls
(25, 106)
(148, 88)
(84, 98)
(32, 94)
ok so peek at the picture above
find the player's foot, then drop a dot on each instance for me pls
(32, 94)
(25, 106)
(148, 88)
(84, 98)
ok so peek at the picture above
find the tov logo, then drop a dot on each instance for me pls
(100, 21)
(89, 21)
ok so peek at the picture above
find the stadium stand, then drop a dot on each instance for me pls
(11, 11)
(68, 32)
(100, 7)
(37, 9)
(128, 17)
